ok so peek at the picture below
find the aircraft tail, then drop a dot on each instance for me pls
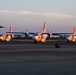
(11, 33)
(74, 30)
(10, 30)
(44, 28)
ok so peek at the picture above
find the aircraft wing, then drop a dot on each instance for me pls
(61, 33)
(2, 27)
(32, 33)
(18, 33)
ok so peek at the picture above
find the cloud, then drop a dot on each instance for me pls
(16, 12)
(55, 15)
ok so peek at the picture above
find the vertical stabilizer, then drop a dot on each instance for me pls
(10, 29)
(44, 28)
(74, 30)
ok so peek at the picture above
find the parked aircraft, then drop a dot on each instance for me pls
(8, 36)
(41, 37)
(72, 38)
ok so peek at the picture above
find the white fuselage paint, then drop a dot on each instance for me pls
(72, 38)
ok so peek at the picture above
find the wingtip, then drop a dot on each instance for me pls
(2, 27)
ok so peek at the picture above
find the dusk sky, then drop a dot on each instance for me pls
(59, 15)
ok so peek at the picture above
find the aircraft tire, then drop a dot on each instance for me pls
(35, 42)
(68, 41)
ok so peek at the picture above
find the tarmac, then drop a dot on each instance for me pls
(27, 51)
